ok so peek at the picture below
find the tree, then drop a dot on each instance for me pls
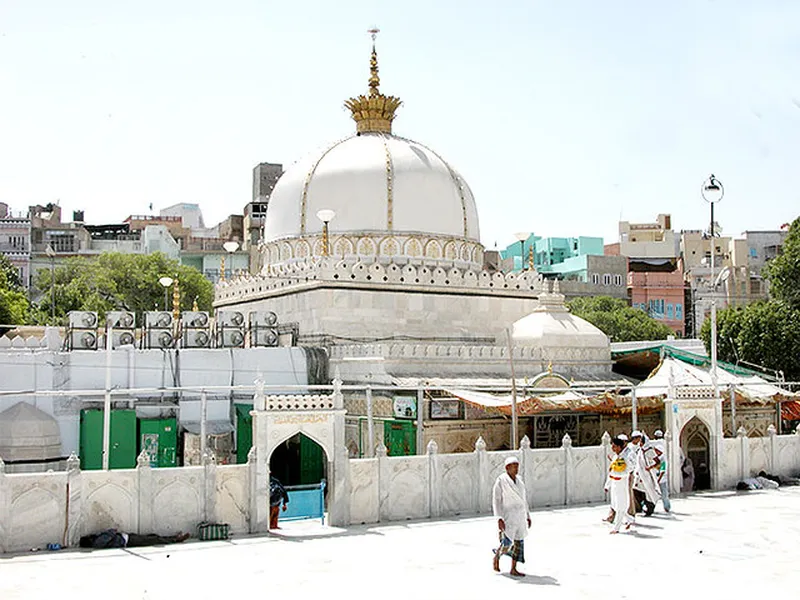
(13, 300)
(764, 333)
(783, 271)
(116, 281)
(617, 320)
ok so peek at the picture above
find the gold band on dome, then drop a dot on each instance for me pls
(374, 112)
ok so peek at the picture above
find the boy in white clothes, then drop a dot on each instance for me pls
(618, 486)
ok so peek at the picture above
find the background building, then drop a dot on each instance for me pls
(15, 241)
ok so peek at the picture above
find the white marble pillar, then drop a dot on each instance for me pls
(209, 487)
(339, 469)
(145, 488)
(434, 481)
(569, 469)
(74, 495)
(744, 453)
(5, 526)
(526, 467)
(383, 482)
(483, 491)
(774, 467)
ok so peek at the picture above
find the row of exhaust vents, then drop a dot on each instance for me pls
(195, 329)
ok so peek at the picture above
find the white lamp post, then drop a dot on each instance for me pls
(521, 237)
(325, 215)
(165, 283)
(712, 192)
(52, 254)
(230, 247)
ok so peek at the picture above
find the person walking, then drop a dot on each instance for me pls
(277, 494)
(618, 487)
(646, 468)
(510, 506)
(663, 475)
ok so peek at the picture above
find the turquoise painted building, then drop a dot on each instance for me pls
(565, 258)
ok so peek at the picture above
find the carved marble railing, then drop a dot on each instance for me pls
(466, 352)
(300, 402)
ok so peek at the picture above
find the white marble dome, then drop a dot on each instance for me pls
(375, 182)
(551, 325)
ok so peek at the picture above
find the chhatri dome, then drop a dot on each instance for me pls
(392, 197)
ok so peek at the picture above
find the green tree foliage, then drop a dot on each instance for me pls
(617, 320)
(764, 333)
(783, 271)
(116, 281)
(14, 303)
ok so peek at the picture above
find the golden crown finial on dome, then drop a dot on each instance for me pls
(374, 112)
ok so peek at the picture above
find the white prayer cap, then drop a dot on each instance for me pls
(622, 437)
(636, 433)
(512, 460)
(658, 433)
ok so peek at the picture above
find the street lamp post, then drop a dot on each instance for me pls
(326, 216)
(712, 192)
(522, 236)
(52, 254)
(230, 247)
(166, 282)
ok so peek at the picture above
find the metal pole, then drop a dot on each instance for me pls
(166, 298)
(420, 421)
(370, 426)
(521, 255)
(203, 419)
(53, 290)
(713, 313)
(107, 402)
(634, 410)
(513, 393)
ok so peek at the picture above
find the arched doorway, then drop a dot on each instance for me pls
(695, 443)
(299, 461)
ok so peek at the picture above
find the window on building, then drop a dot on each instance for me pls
(670, 311)
(679, 311)
(607, 279)
(617, 279)
(596, 278)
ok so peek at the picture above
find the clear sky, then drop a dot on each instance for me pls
(562, 116)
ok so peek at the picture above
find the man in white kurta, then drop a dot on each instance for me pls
(510, 506)
(648, 462)
(618, 487)
(663, 473)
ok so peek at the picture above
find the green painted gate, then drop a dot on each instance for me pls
(122, 451)
(400, 438)
(159, 439)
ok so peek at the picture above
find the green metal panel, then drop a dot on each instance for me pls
(91, 439)
(401, 438)
(159, 439)
(244, 432)
(312, 457)
(123, 439)
(122, 453)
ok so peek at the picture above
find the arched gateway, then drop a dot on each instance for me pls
(320, 418)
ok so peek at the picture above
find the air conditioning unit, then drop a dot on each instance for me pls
(230, 318)
(196, 338)
(121, 319)
(264, 336)
(82, 319)
(263, 318)
(194, 319)
(122, 338)
(230, 338)
(159, 338)
(158, 319)
(83, 340)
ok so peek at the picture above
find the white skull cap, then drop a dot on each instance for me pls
(512, 460)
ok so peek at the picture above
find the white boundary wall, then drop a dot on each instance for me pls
(37, 509)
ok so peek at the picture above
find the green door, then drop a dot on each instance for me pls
(91, 439)
(312, 468)
(122, 454)
(244, 432)
(158, 438)
(123, 439)
(400, 438)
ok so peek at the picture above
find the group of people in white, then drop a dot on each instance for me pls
(637, 478)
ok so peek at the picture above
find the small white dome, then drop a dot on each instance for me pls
(27, 433)
(375, 182)
(551, 325)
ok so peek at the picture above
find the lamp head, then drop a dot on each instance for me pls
(522, 236)
(326, 215)
(166, 281)
(712, 190)
(231, 246)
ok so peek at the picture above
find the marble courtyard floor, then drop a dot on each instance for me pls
(715, 545)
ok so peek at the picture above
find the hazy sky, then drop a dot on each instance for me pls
(562, 116)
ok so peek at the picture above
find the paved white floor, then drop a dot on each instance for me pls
(717, 545)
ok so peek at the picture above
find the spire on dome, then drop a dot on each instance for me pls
(375, 112)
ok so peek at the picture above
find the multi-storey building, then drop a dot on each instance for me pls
(15, 241)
